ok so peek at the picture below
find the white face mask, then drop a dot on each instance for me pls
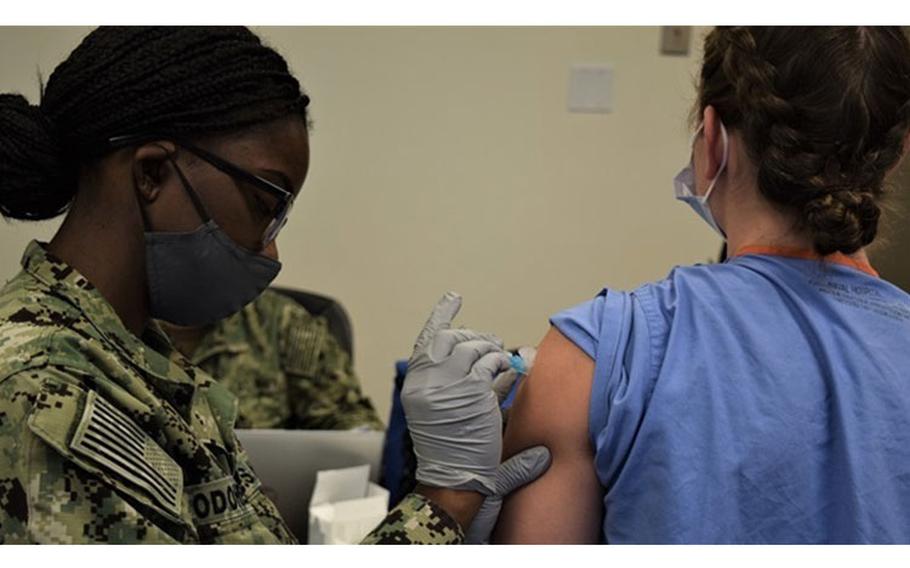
(684, 184)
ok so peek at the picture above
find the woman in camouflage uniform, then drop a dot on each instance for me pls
(168, 147)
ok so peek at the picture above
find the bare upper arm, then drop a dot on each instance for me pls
(551, 409)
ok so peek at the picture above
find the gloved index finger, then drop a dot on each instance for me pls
(445, 340)
(521, 469)
(440, 318)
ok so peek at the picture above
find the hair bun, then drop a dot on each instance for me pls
(35, 180)
(842, 221)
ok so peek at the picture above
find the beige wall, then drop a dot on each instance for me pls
(444, 158)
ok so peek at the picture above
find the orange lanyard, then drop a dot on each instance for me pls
(836, 258)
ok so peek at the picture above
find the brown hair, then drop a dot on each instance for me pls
(823, 112)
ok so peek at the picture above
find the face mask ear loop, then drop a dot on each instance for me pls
(694, 136)
(194, 197)
(723, 161)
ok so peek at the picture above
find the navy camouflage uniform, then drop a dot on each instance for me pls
(105, 437)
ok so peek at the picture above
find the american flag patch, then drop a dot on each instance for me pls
(109, 437)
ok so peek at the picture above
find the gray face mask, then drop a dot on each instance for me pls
(202, 276)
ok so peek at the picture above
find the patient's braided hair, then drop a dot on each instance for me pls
(824, 113)
(188, 81)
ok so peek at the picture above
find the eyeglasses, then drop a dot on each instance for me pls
(280, 211)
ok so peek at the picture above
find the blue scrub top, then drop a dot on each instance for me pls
(766, 399)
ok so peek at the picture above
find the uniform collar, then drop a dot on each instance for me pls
(173, 376)
(808, 254)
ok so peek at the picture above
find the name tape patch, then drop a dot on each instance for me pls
(217, 501)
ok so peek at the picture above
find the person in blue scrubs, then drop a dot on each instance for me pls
(765, 399)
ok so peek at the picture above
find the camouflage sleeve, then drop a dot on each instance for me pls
(324, 391)
(15, 402)
(45, 496)
(416, 520)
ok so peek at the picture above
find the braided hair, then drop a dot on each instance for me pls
(823, 112)
(186, 81)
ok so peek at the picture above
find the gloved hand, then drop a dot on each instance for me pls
(517, 471)
(450, 405)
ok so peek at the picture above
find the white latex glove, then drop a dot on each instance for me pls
(450, 405)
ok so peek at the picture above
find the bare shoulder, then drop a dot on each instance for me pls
(551, 406)
(551, 409)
